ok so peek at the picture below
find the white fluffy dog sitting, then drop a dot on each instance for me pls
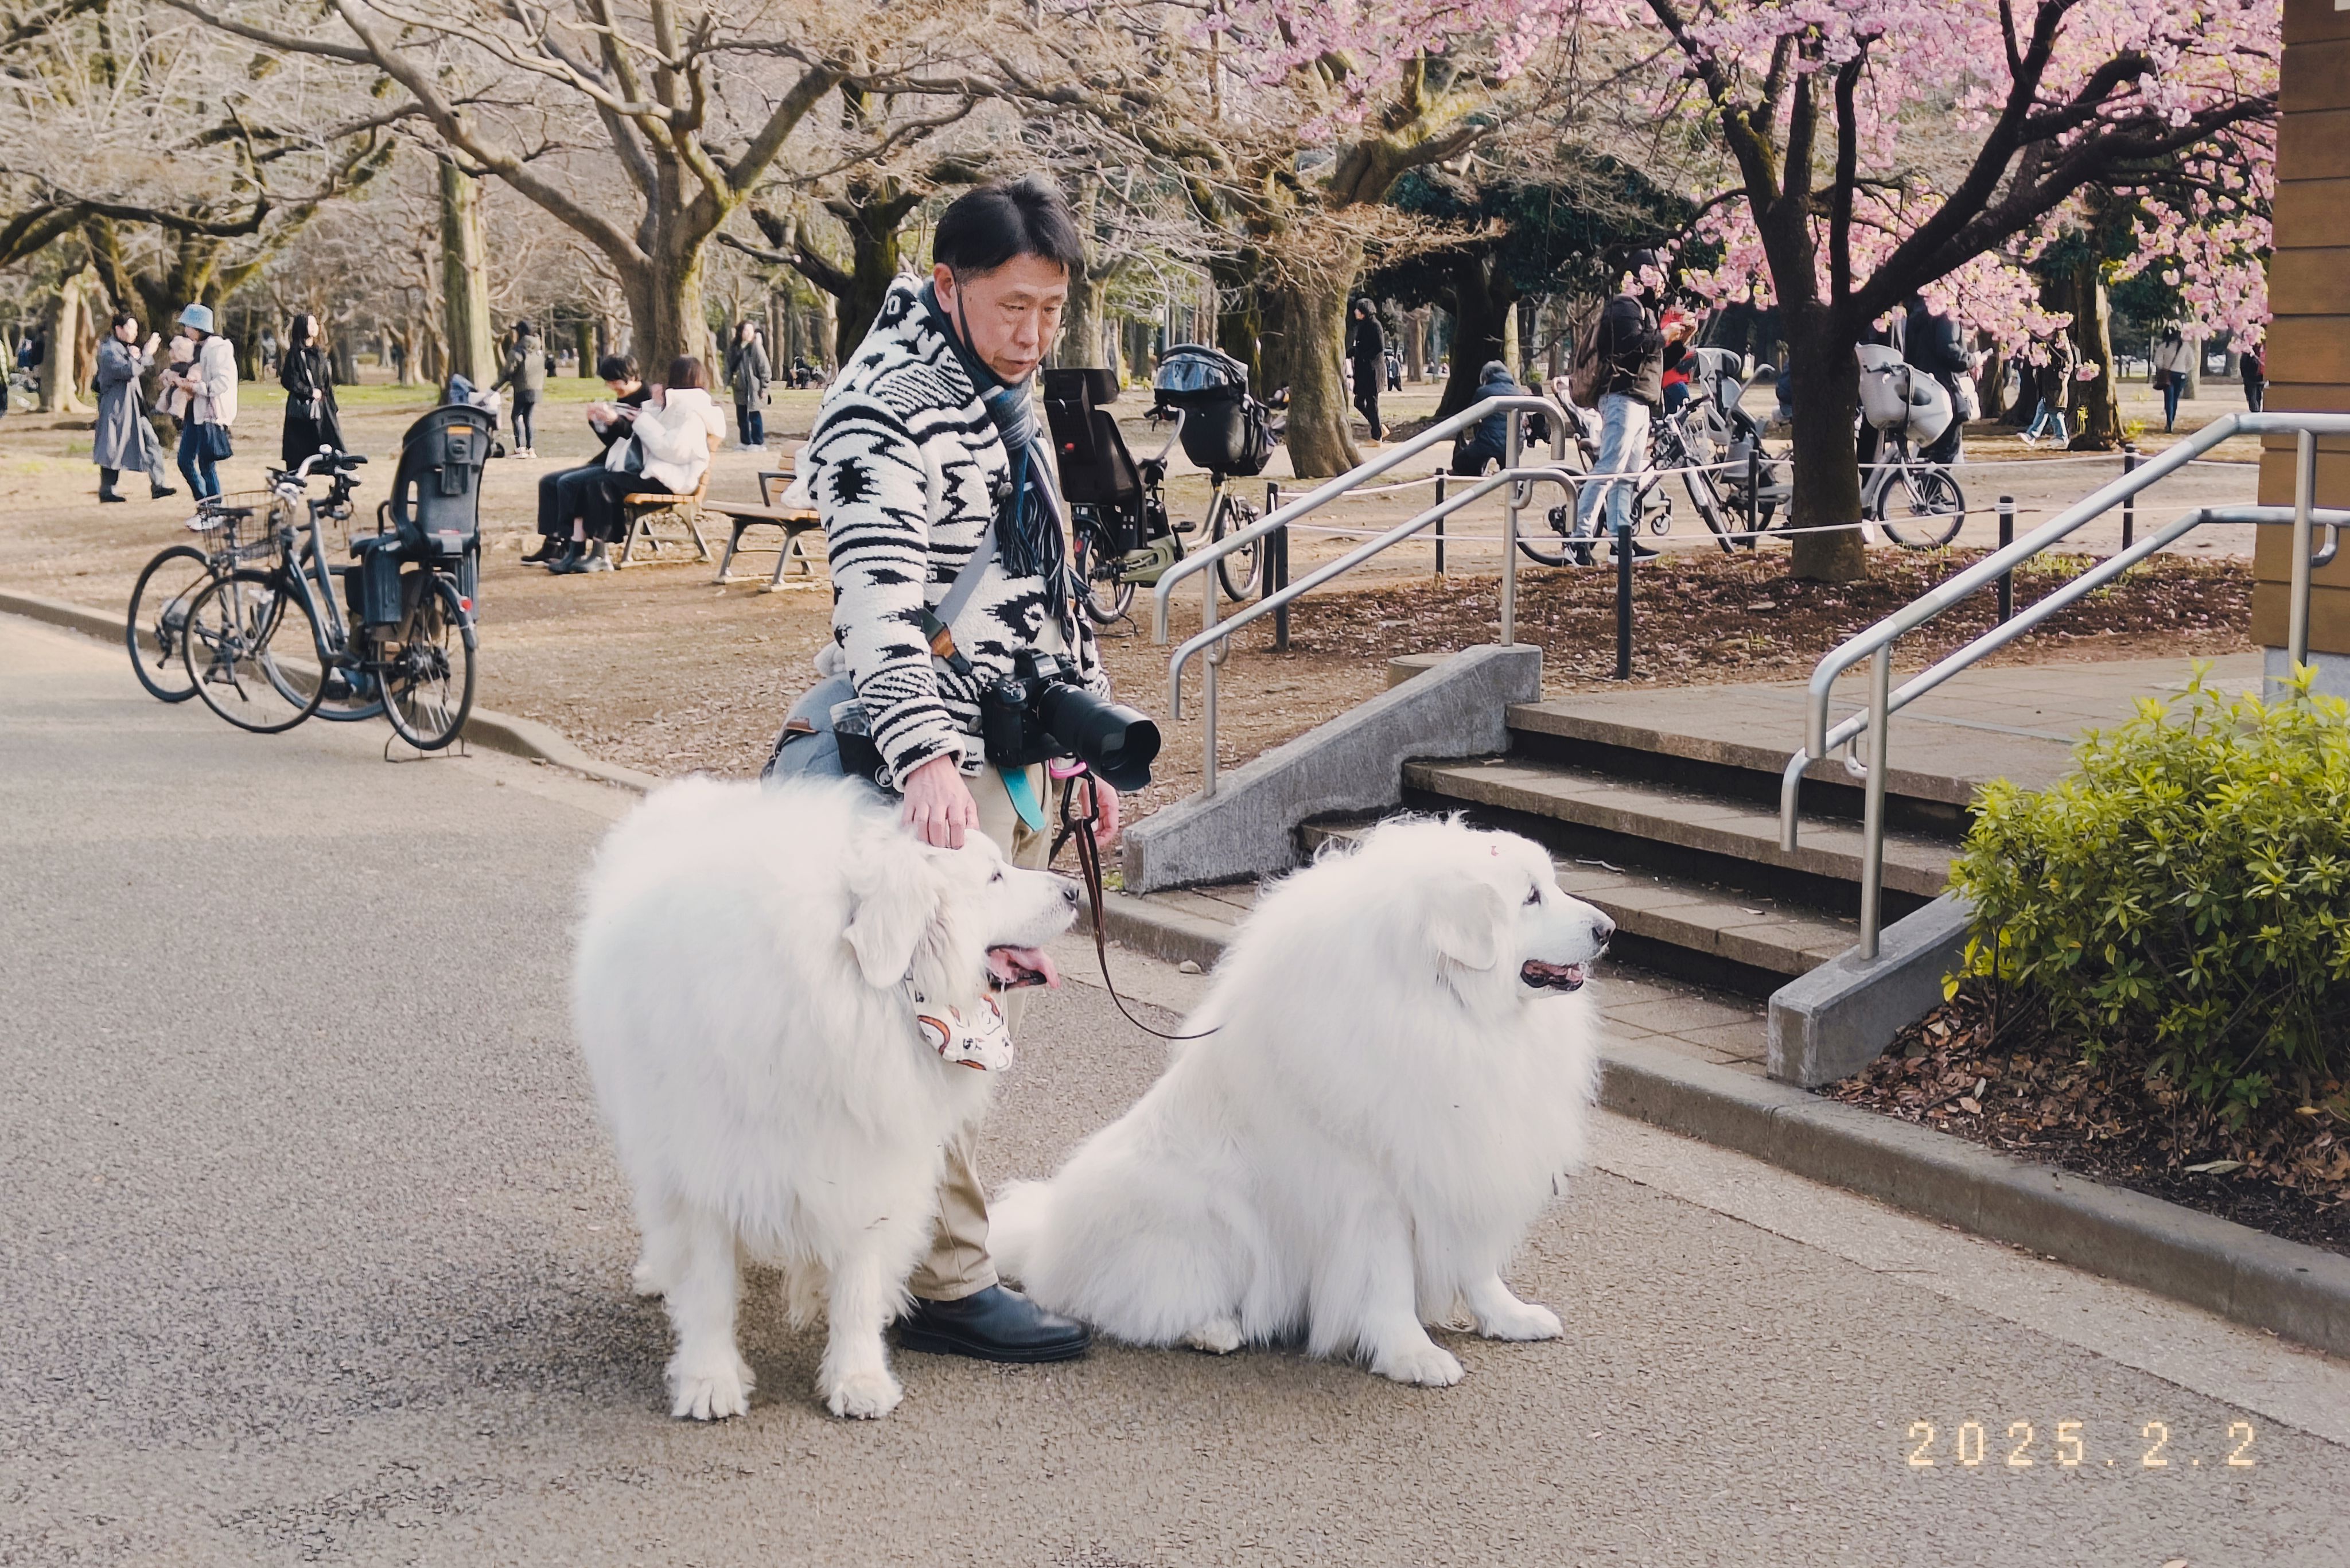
(746, 995)
(1396, 1075)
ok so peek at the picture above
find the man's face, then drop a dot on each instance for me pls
(1012, 314)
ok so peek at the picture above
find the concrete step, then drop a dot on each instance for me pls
(1590, 738)
(1690, 833)
(1733, 941)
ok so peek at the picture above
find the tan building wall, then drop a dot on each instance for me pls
(2309, 290)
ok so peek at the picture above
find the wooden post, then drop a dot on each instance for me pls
(2309, 339)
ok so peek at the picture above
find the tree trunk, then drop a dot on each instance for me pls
(1415, 344)
(583, 343)
(1991, 387)
(2096, 404)
(1138, 349)
(465, 279)
(1313, 316)
(1080, 347)
(62, 330)
(666, 317)
(1826, 463)
(1482, 312)
(1240, 313)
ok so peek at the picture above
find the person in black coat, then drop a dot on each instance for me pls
(1368, 351)
(1933, 342)
(311, 419)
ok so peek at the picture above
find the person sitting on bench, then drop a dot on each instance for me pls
(675, 431)
(563, 495)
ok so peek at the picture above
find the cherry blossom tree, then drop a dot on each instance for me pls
(1881, 148)
(1289, 122)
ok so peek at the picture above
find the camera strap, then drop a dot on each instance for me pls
(1080, 825)
(938, 625)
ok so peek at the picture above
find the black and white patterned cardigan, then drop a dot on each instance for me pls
(906, 470)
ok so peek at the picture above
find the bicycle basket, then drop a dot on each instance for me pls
(242, 538)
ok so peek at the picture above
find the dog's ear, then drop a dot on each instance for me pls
(895, 901)
(1466, 924)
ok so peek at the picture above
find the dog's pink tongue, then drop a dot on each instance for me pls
(1000, 963)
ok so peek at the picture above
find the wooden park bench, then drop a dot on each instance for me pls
(640, 513)
(795, 522)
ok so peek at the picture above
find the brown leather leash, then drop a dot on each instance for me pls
(1081, 828)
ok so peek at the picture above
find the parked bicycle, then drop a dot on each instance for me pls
(1916, 503)
(1122, 537)
(1694, 451)
(156, 624)
(235, 650)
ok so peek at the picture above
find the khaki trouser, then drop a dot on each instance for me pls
(957, 1264)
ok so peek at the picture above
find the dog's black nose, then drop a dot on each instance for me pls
(1602, 928)
(1070, 895)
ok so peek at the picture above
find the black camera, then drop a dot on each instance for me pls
(1039, 711)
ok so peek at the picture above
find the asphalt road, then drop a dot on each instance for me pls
(314, 1251)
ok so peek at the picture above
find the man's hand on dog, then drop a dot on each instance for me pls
(941, 811)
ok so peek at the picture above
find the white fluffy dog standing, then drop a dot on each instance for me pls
(747, 979)
(1396, 1075)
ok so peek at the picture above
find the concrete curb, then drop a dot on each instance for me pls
(494, 730)
(2297, 1292)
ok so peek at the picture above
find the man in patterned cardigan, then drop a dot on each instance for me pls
(926, 443)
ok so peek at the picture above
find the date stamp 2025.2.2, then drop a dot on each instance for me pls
(2072, 1445)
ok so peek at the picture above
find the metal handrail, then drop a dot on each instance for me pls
(1565, 478)
(1313, 500)
(1212, 636)
(1876, 643)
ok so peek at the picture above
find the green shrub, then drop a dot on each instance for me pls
(2182, 897)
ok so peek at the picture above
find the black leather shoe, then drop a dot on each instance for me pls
(549, 548)
(995, 1324)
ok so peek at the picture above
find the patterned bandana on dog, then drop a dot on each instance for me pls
(983, 1041)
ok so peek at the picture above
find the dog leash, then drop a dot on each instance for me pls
(1081, 828)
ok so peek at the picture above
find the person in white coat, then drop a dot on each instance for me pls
(210, 382)
(671, 438)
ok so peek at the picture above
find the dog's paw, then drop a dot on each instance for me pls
(1427, 1363)
(710, 1394)
(1520, 1321)
(864, 1396)
(1218, 1336)
(644, 1282)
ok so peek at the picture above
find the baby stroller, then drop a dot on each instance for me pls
(1120, 538)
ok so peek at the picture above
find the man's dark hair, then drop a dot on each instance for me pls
(988, 225)
(616, 368)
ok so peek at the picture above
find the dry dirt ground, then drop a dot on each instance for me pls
(661, 668)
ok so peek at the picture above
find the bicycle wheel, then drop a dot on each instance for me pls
(158, 622)
(1106, 596)
(428, 672)
(1922, 508)
(352, 690)
(237, 635)
(1548, 547)
(1241, 571)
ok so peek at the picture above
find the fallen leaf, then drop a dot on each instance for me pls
(1967, 1104)
(2216, 1167)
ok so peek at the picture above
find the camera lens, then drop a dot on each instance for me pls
(1117, 741)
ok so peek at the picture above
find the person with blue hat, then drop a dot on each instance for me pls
(211, 386)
